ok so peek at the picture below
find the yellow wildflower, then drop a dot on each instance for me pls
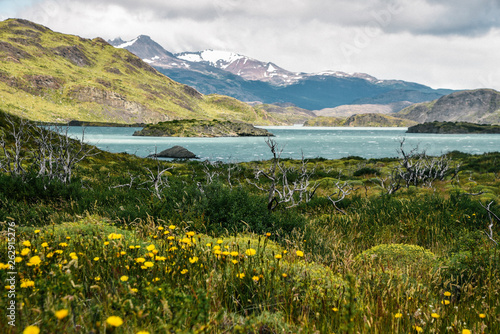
(61, 314)
(114, 321)
(26, 243)
(193, 259)
(45, 245)
(435, 315)
(148, 264)
(31, 330)
(278, 256)
(124, 278)
(184, 271)
(25, 251)
(398, 315)
(150, 247)
(250, 252)
(299, 253)
(35, 260)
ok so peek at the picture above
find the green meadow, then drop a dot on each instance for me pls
(122, 244)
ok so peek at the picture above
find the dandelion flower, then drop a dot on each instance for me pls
(398, 315)
(26, 243)
(172, 227)
(25, 251)
(482, 315)
(241, 275)
(299, 253)
(143, 332)
(45, 245)
(184, 271)
(445, 302)
(335, 309)
(106, 243)
(466, 331)
(284, 275)
(447, 293)
(148, 264)
(97, 278)
(418, 329)
(31, 330)
(150, 247)
(435, 315)
(140, 260)
(61, 314)
(255, 278)
(190, 234)
(63, 244)
(37, 231)
(160, 228)
(124, 278)
(114, 321)
(193, 259)
(26, 283)
(278, 256)
(134, 290)
(234, 261)
(35, 260)
(250, 252)
(220, 241)
(18, 259)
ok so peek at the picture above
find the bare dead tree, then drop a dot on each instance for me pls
(281, 189)
(157, 180)
(492, 218)
(212, 170)
(45, 150)
(13, 157)
(342, 189)
(418, 168)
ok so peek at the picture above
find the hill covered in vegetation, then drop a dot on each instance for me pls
(453, 127)
(197, 128)
(55, 77)
(362, 120)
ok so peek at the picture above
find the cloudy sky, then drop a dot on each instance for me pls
(440, 43)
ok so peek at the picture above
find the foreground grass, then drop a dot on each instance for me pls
(201, 253)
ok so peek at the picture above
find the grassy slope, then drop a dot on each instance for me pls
(49, 76)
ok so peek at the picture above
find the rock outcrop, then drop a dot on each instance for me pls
(480, 106)
(176, 152)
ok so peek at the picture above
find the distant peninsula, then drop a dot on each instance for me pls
(360, 120)
(453, 127)
(201, 128)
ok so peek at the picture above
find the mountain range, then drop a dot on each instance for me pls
(55, 77)
(251, 80)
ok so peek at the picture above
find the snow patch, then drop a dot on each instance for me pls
(271, 68)
(193, 57)
(129, 43)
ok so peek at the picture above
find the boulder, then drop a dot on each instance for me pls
(176, 152)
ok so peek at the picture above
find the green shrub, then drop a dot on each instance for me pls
(396, 256)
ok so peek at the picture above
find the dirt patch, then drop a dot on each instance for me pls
(73, 54)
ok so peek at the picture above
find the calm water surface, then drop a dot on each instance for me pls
(330, 143)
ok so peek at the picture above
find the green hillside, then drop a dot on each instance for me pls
(49, 76)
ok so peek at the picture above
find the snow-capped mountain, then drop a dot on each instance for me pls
(249, 79)
(243, 66)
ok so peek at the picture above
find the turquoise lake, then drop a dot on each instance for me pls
(329, 143)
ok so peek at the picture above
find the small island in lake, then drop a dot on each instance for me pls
(453, 128)
(201, 128)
